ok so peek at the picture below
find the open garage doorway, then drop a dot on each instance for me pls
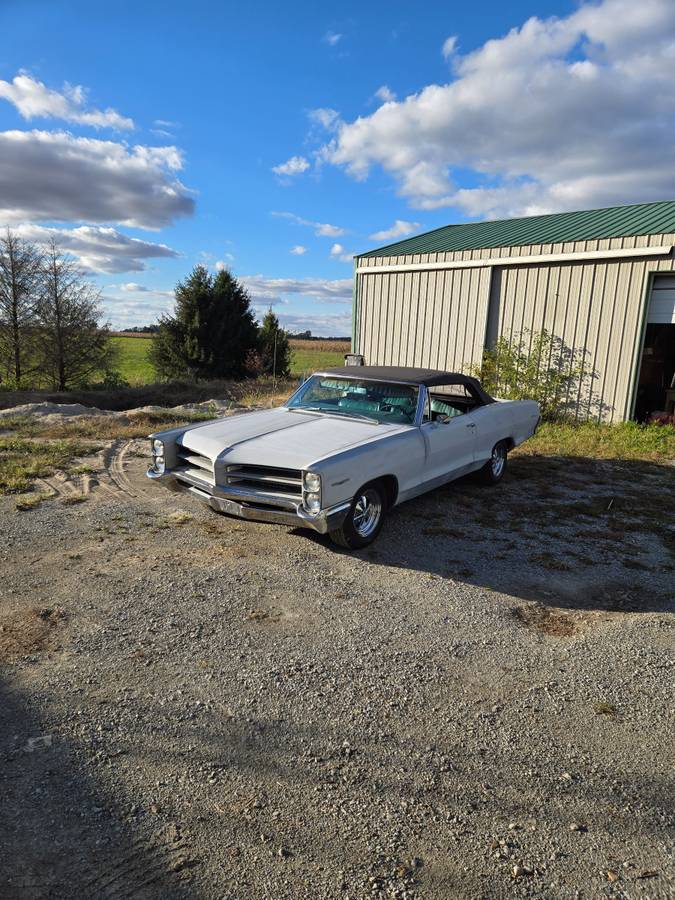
(655, 396)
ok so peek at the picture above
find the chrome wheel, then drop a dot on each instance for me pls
(367, 512)
(498, 461)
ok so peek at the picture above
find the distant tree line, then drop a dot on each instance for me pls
(308, 336)
(212, 333)
(142, 329)
(51, 329)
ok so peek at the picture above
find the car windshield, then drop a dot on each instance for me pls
(380, 401)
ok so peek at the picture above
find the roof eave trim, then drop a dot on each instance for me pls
(537, 258)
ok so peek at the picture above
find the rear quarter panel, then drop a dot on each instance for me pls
(513, 420)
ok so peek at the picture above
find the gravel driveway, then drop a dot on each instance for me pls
(478, 706)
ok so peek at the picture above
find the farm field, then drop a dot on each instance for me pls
(308, 355)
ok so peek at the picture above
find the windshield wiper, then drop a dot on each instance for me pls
(306, 409)
(353, 415)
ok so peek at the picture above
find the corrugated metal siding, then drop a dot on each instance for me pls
(439, 318)
(432, 319)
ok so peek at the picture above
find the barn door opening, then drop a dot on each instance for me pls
(655, 397)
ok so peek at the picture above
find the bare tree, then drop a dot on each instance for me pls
(20, 263)
(72, 343)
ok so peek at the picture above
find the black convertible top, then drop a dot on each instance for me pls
(405, 375)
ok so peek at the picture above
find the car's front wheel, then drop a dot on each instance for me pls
(493, 470)
(364, 520)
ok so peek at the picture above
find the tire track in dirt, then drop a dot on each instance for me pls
(137, 873)
(117, 460)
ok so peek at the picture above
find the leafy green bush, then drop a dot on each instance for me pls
(538, 366)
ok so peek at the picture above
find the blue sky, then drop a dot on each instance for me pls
(279, 139)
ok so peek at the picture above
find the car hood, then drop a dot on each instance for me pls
(279, 437)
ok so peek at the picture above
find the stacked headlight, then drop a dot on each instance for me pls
(158, 462)
(311, 492)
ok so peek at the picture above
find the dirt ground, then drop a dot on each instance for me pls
(477, 706)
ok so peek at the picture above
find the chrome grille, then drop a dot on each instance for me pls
(265, 480)
(195, 464)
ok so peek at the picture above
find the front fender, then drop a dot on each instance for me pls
(342, 474)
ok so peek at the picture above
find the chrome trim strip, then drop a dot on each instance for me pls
(234, 477)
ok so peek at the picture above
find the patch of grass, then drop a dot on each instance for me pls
(74, 499)
(83, 470)
(627, 440)
(180, 517)
(553, 623)
(26, 502)
(22, 461)
(263, 615)
(311, 356)
(603, 708)
(133, 362)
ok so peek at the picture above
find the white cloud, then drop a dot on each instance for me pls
(126, 312)
(449, 46)
(296, 165)
(385, 94)
(337, 251)
(325, 117)
(322, 326)
(321, 229)
(332, 38)
(400, 228)
(322, 289)
(54, 176)
(99, 249)
(132, 287)
(558, 114)
(33, 99)
(298, 250)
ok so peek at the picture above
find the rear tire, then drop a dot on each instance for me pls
(493, 470)
(365, 518)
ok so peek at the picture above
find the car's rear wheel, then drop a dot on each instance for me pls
(493, 470)
(364, 520)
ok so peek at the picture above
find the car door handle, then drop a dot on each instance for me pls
(471, 425)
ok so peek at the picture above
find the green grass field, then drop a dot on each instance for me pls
(308, 356)
(133, 364)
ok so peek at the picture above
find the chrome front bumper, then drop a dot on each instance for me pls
(246, 505)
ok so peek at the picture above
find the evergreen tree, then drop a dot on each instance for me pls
(274, 348)
(210, 332)
(234, 329)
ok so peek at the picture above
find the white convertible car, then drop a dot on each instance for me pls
(348, 445)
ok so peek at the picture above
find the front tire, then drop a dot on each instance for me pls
(493, 470)
(364, 520)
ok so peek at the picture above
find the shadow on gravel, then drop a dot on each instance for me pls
(61, 836)
(575, 533)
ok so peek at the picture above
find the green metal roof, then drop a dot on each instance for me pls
(586, 225)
